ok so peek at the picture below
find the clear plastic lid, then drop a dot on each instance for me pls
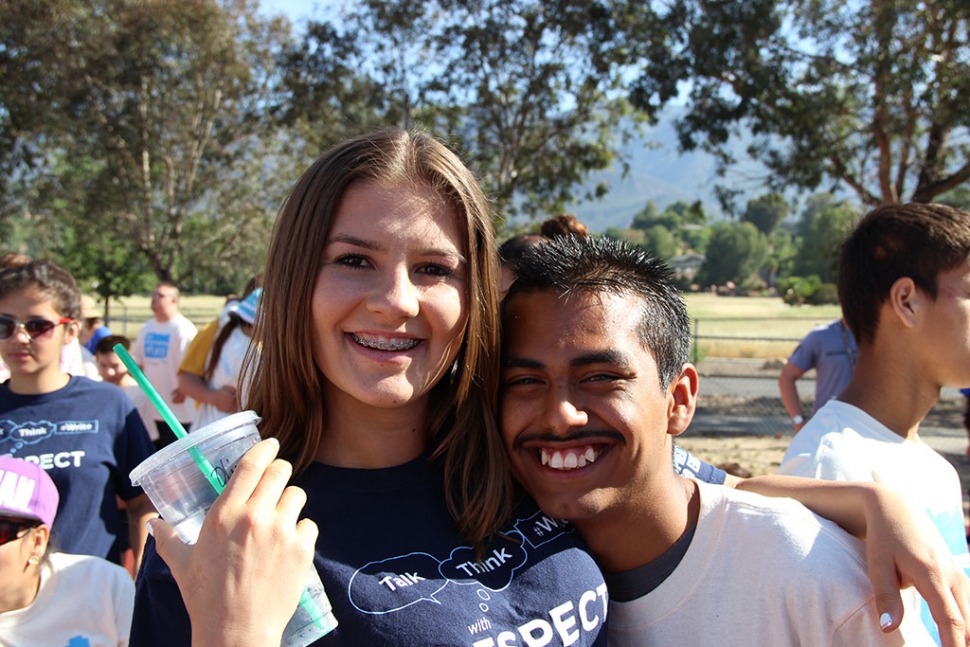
(193, 438)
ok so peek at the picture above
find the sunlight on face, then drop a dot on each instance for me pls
(389, 304)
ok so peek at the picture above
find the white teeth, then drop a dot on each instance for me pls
(567, 460)
(389, 344)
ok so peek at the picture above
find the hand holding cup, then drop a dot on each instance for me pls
(243, 579)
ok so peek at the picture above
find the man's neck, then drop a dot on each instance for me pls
(890, 391)
(629, 536)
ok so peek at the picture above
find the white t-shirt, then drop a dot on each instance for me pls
(144, 408)
(225, 373)
(82, 600)
(844, 443)
(158, 349)
(761, 571)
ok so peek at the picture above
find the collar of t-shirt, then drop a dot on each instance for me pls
(637, 582)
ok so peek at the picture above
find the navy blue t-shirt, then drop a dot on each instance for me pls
(398, 574)
(88, 436)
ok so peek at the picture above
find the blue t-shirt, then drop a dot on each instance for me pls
(397, 572)
(88, 436)
(831, 350)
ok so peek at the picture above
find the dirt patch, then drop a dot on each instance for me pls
(947, 414)
(762, 454)
(757, 454)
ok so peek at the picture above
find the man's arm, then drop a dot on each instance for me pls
(789, 394)
(140, 510)
(902, 549)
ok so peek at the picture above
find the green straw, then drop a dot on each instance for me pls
(167, 415)
(309, 606)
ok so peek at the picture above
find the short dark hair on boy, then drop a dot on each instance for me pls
(893, 241)
(511, 250)
(48, 279)
(569, 264)
(107, 344)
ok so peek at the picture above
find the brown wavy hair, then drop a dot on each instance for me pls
(287, 386)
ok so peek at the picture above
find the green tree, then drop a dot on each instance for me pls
(816, 204)
(781, 256)
(734, 253)
(517, 85)
(329, 90)
(646, 217)
(823, 233)
(695, 213)
(696, 237)
(633, 236)
(958, 197)
(659, 241)
(160, 106)
(866, 95)
(766, 212)
(42, 49)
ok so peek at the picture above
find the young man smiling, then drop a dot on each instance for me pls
(596, 384)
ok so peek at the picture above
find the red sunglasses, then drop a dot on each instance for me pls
(36, 328)
(11, 529)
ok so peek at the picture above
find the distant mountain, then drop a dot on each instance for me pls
(660, 173)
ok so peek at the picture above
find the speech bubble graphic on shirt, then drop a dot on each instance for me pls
(26, 433)
(540, 529)
(396, 583)
(493, 570)
(33, 432)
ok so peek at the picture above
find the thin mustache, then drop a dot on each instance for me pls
(581, 434)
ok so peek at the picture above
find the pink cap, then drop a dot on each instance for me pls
(26, 491)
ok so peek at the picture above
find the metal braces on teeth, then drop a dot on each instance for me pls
(385, 345)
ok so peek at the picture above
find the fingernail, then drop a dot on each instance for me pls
(273, 439)
(885, 620)
(151, 530)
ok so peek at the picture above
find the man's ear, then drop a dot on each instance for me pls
(905, 300)
(682, 400)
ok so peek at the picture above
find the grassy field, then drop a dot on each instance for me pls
(757, 327)
(127, 315)
(760, 327)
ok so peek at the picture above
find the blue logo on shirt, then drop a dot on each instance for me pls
(156, 345)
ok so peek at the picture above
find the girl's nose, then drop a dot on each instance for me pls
(397, 295)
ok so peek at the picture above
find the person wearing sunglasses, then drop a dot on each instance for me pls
(72, 357)
(87, 435)
(49, 597)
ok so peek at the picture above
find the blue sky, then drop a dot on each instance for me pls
(296, 10)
